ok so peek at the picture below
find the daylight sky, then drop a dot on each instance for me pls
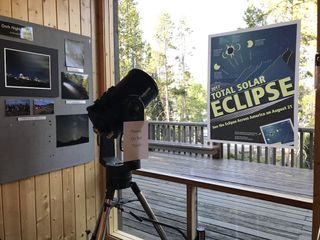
(205, 17)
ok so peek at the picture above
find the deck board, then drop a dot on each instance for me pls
(224, 216)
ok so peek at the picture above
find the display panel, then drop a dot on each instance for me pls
(34, 116)
(253, 83)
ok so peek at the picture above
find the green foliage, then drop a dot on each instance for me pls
(164, 68)
(254, 16)
(80, 79)
(133, 52)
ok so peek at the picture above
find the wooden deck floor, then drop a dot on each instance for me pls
(224, 216)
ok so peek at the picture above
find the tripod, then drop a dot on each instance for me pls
(119, 177)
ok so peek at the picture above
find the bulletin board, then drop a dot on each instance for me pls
(45, 88)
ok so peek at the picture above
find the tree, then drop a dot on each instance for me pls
(134, 52)
(184, 75)
(262, 12)
(197, 103)
(164, 69)
(132, 49)
(254, 16)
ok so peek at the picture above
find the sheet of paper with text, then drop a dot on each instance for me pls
(135, 140)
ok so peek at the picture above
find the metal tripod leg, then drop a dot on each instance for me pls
(100, 230)
(148, 210)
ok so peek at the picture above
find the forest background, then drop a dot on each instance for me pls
(182, 97)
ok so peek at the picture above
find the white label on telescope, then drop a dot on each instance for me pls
(135, 140)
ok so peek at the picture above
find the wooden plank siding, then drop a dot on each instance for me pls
(62, 204)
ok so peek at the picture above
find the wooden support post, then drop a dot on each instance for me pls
(316, 169)
(191, 212)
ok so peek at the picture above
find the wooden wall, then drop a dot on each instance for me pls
(61, 204)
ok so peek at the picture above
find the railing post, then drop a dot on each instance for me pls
(274, 156)
(301, 150)
(266, 155)
(258, 154)
(292, 158)
(311, 150)
(235, 151)
(283, 156)
(191, 212)
(242, 152)
(228, 151)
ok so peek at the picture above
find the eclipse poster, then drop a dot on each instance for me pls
(253, 85)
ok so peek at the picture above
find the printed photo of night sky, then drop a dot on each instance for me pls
(27, 69)
(72, 129)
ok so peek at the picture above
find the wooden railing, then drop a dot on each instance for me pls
(195, 134)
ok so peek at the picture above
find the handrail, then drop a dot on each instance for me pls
(196, 133)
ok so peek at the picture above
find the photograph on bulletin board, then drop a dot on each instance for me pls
(28, 70)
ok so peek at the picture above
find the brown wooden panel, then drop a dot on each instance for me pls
(89, 167)
(94, 49)
(43, 206)
(85, 18)
(68, 200)
(56, 203)
(20, 9)
(1, 216)
(74, 13)
(80, 202)
(63, 14)
(11, 211)
(5, 8)
(35, 11)
(90, 196)
(46, 206)
(28, 209)
(49, 13)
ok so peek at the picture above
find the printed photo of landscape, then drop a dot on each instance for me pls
(17, 107)
(72, 129)
(43, 106)
(25, 69)
(74, 86)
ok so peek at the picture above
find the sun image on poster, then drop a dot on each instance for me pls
(43, 106)
(74, 54)
(74, 86)
(253, 84)
(72, 129)
(25, 69)
(17, 107)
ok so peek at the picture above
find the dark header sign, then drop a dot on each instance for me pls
(16, 30)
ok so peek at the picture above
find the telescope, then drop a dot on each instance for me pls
(124, 102)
